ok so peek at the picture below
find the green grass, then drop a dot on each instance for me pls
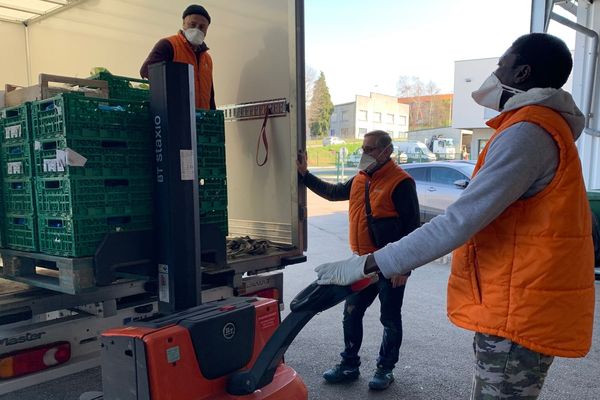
(322, 156)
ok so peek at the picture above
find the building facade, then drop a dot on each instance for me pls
(367, 113)
(468, 115)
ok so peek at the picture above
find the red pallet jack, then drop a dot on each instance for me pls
(224, 350)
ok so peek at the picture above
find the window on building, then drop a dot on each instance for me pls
(333, 117)
(362, 115)
(344, 115)
(402, 120)
(344, 132)
(362, 132)
(481, 144)
(389, 119)
(376, 117)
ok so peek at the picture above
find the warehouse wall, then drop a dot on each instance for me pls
(110, 33)
(13, 68)
(250, 45)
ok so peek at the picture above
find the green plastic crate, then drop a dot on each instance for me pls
(20, 232)
(211, 155)
(210, 127)
(212, 187)
(122, 87)
(15, 123)
(218, 217)
(18, 196)
(104, 157)
(213, 194)
(594, 198)
(16, 160)
(78, 197)
(212, 172)
(76, 116)
(80, 237)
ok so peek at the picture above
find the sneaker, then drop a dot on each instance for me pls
(341, 373)
(382, 379)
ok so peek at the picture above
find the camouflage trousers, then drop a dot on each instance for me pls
(507, 370)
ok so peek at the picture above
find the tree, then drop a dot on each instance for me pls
(427, 109)
(321, 108)
(310, 77)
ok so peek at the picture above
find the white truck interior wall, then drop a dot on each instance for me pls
(13, 67)
(589, 146)
(251, 51)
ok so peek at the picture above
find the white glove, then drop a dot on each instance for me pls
(342, 273)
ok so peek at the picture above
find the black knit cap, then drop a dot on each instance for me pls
(196, 9)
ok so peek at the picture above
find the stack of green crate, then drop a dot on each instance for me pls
(19, 222)
(121, 87)
(212, 172)
(93, 164)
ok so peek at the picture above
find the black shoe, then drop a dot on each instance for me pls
(341, 373)
(382, 379)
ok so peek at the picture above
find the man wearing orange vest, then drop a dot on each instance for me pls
(392, 201)
(522, 276)
(188, 47)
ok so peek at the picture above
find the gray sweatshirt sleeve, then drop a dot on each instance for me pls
(520, 162)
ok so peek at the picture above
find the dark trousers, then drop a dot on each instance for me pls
(390, 317)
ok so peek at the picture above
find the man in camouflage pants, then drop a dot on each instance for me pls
(505, 369)
(522, 271)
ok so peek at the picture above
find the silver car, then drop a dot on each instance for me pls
(439, 184)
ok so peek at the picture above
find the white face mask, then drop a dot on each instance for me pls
(490, 92)
(369, 163)
(194, 35)
(366, 161)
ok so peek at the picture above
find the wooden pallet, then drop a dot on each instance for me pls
(61, 274)
(17, 95)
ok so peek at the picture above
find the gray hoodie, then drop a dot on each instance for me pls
(520, 162)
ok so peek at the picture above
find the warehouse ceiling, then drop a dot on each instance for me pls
(26, 11)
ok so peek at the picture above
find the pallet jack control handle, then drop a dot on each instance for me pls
(309, 302)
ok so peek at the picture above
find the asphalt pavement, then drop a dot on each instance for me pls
(436, 358)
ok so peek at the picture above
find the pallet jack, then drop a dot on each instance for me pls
(223, 350)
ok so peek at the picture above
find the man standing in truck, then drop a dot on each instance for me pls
(382, 191)
(522, 276)
(188, 47)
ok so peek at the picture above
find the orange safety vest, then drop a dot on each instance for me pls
(203, 66)
(383, 183)
(528, 276)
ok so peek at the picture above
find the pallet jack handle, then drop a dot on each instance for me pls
(309, 302)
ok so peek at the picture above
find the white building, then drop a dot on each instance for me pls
(368, 113)
(468, 115)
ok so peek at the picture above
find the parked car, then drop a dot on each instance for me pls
(354, 158)
(329, 140)
(439, 184)
(399, 155)
(415, 151)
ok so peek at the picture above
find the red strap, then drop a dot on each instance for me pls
(263, 135)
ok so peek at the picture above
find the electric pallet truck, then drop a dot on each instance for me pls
(223, 350)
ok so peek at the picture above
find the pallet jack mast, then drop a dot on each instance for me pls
(226, 349)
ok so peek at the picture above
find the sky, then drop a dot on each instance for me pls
(364, 46)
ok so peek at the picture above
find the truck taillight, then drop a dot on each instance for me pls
(27, 361)
(271, 293)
